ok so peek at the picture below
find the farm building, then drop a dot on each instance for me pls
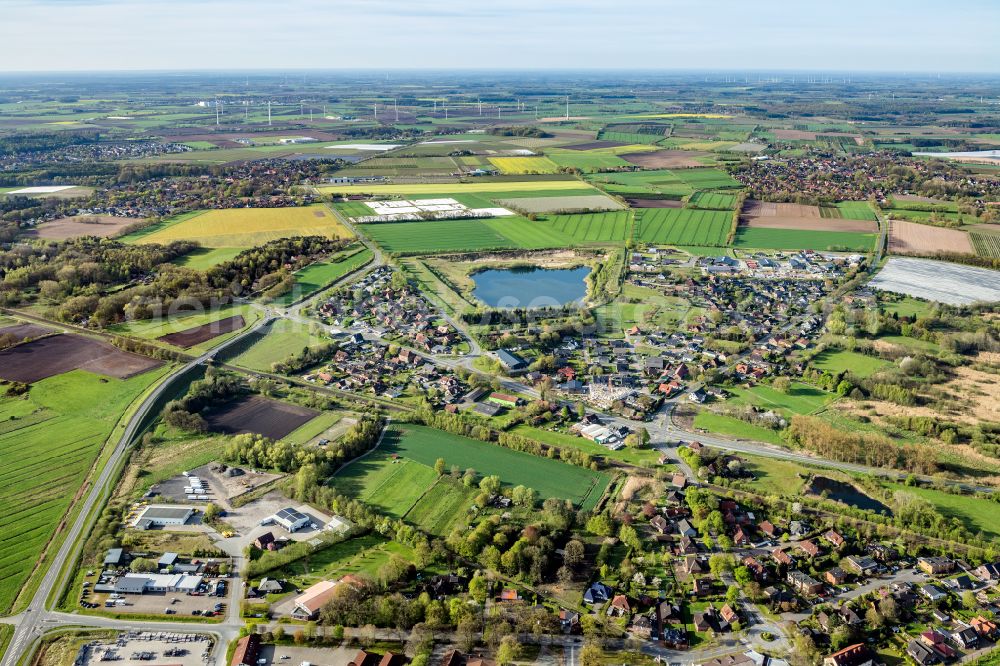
(162, 516)
(503, 399)
(246, 651)
(135, 583)
(511, 361)
(308, 603)
(291, 519)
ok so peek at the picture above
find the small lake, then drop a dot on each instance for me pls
(530, 287)
(845, 493)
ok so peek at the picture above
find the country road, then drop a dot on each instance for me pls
(36, 619)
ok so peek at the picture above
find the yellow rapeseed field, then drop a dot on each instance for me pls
(246, 227)
(518, 165)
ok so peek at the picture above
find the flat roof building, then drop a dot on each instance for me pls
(291, 519)
(158, 515)
(135, 583)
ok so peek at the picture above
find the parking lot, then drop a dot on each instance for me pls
(218, 485)
(294, 655)
(151, 649)
(247, 518)
(160, 603)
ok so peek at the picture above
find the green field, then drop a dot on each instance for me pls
(392, 485)
(593, 227)
(778, 477)
(442, 507)
(501, 233)
(800, 399)
(834, 361)
(48, 444)
(706, 178)
(203, 258)
(727, 425)
(316, 276)
(150, 329)
(363, 555)
(801, 239)
(979, 515)
(500, 188)
(314, 428)
(424, 445)
(284, 338)
(682, 226)
(854, 210)
(712, 201)
(641, 457)
(908, 307)
(986, 244)
(586, 160)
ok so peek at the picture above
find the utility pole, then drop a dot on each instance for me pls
(396, 108)
(268, 112)
(567, 107)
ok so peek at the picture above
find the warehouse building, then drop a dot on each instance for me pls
(160, 515)
(139, 583)
(291, 519)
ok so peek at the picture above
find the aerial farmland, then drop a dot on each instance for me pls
(497, 369)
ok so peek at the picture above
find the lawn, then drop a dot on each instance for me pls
(49, 441)
(727, 425)
(681, 226)
(316, 276)
(977, 514)
(247, 227)
(834, 361)
(550, 478)
(803, 239)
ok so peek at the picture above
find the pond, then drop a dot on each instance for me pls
(846, 494)
(530, 287)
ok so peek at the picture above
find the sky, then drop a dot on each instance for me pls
(907, 36)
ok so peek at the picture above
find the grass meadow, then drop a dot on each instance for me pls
(803, 239)
(397, 484)
(49, 441)
(683, 226)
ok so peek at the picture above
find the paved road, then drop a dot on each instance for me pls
(37, 619)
